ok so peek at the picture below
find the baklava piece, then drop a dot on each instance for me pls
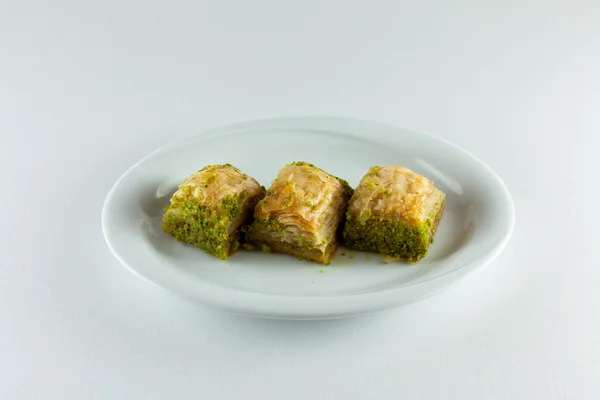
(301, 213)
(211, 209)
(394, 212)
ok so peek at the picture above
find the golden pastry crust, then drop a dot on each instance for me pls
(394, 192)
(214, 182)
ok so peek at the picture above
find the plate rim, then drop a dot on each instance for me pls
(268, 305)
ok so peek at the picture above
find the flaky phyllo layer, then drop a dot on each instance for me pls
(395, 212)
(301, 213)
(210, 208)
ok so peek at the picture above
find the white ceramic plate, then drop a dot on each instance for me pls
(477, 223)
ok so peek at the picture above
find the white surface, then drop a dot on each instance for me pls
(89, 89)
(477, 223)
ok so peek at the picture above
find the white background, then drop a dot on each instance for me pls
(88, 89)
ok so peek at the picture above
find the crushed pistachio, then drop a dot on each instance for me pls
(371, 184)
(192, 222)
(389, 237)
